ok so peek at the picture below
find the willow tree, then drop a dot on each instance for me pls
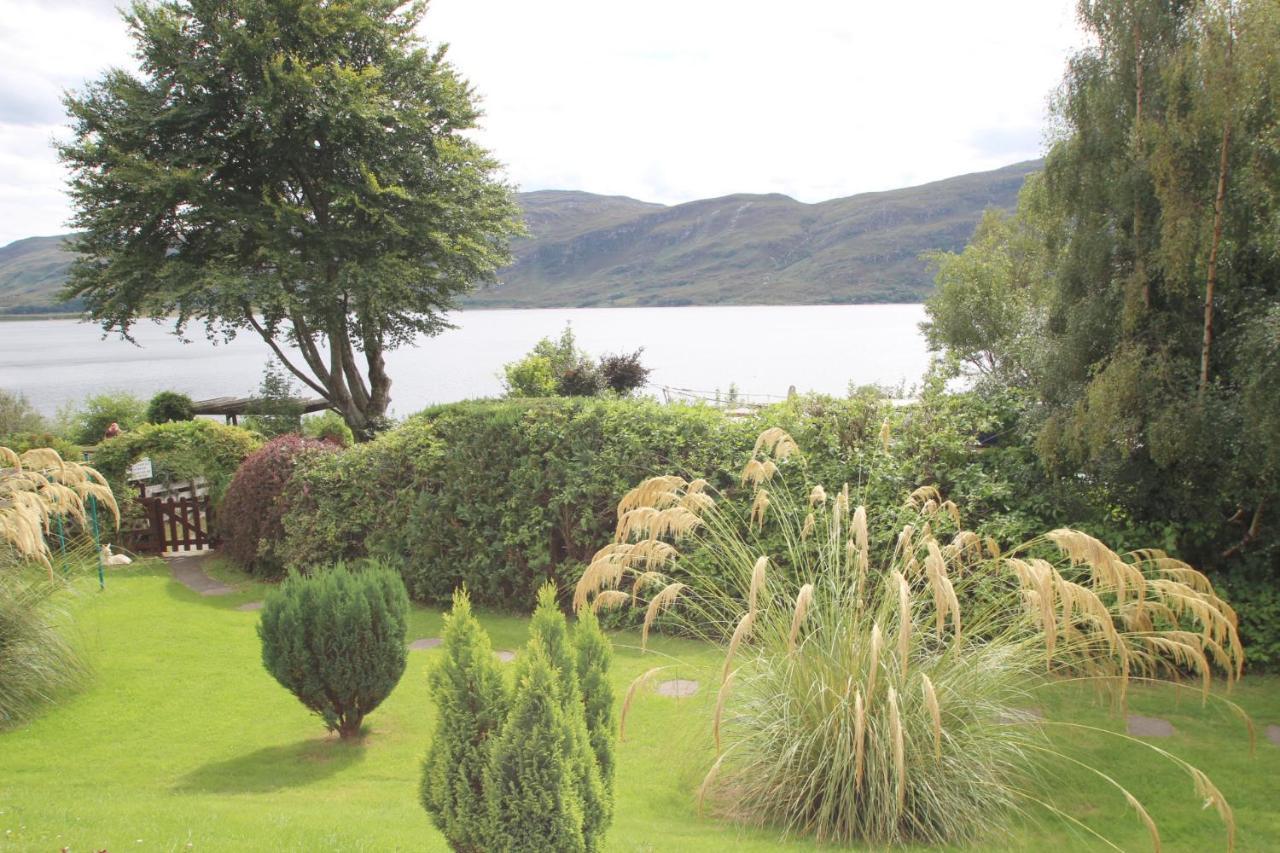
(294, 169)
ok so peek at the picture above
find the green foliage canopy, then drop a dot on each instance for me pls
(297, 169)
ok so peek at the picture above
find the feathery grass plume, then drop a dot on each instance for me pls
(740, 634)
(758, 471)
(657, 604)
(817, 496)
(758, 507)
(833, 737)
(38, 486)
(643, 680)
(758, 572)
(803, 599)
(885, 435)
(807, 530)
(935, 712)
(608, 599)
(899, 748)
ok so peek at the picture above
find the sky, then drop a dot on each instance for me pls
(661, 100)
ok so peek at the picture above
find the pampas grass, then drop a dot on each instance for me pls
(869, 697)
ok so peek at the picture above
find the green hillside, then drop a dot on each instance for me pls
(592, 250)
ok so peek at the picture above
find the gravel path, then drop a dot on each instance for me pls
(189, 571)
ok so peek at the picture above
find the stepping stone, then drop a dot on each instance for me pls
(189, 572)
(251, 605)
(1140, 726)
(426, 643)
(678, 688)
(1021, 716)
(1273, 734)
(505, 656)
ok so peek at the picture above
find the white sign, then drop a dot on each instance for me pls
(141, 470)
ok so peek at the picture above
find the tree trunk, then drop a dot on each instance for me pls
(1139, 258)
(349, 726)
(1212, 282)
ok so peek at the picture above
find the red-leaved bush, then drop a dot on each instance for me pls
(250, 519)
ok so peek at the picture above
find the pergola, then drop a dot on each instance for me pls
(232, 408)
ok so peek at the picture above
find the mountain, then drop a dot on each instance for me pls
(587, 250)
(31, 272)
(592, 250)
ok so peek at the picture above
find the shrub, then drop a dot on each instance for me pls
(37, 663)
(593, 656)
(872, 700)
(533, 801)
(471, 704)
(580, 380)
(17, 415)
(551, 633)
(328, 426)
(276, 410)
(179, 451)
(169, 406)
(88, 423)
(336, 640)
(20, 442)
(623, 373)
(531, 376)
(250, 518)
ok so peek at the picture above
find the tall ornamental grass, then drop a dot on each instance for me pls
(881, 695)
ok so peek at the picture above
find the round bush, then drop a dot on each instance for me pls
(168, 406)
(336, 640)
(251, 518)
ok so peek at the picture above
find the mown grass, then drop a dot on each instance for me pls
(182, 741)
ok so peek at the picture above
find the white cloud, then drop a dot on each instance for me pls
(661, 100)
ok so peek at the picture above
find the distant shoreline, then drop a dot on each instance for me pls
(13, 318)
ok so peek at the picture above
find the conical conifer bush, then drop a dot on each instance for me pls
(551, 631)
(593, 656)
(471, 701)
(532, 782)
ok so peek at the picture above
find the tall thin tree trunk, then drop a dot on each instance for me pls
(1212, 282)
(1139, 258)
(1219, 203)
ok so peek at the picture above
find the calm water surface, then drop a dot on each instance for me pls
(762, 350)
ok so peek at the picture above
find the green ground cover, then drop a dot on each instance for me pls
(183, 741)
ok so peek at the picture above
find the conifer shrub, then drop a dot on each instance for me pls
(471, 702)
(529, 771)
(593, 655)
(251, 517)
(550, 631)
(531, 783)
(336, 640)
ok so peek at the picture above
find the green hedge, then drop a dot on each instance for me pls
(179, 450)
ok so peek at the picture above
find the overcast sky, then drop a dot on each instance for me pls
(662, 100)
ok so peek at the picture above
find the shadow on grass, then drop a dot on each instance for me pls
(273, 768)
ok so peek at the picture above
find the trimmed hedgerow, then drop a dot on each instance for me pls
(250, 520)
(179, 451)
(336, 641)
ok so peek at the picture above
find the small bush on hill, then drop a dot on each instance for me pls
(336, 640)
(169, 406)
(249, 519)
(87, 423)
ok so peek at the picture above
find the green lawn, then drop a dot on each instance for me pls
(184, 742)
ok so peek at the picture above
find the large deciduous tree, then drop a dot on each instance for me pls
(293, 168)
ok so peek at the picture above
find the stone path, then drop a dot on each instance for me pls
(678, 688)
(1140, 726)
(1273, 734)
(505, 656)
(425, 643)
(250, 605)
(189, 571)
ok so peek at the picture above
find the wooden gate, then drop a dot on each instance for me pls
(178, 518)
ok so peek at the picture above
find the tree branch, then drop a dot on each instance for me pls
(275, 347)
